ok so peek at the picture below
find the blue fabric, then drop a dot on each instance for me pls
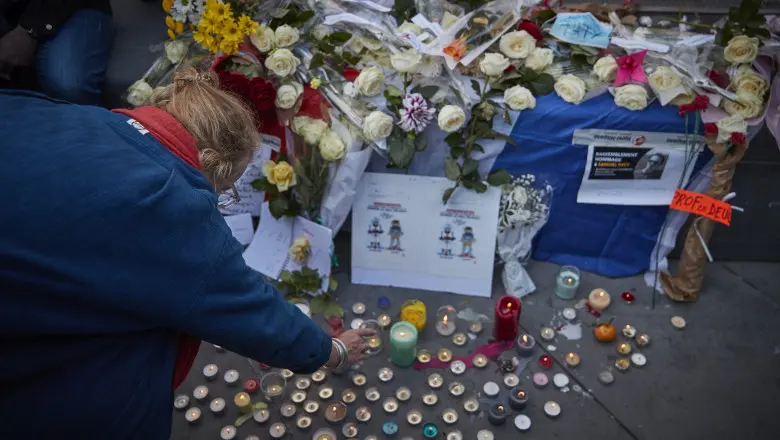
(609, 240)
(72, 66)
(109, 247)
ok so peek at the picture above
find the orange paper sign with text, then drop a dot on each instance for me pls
(700, 204)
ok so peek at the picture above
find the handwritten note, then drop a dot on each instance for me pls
(700, 204)
(581, 28)
(252, 199)
(241, 227)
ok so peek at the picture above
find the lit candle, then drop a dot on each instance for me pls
(525, 345)
(435, 381)
(403, 344)
(497, 414)
(567, 282)
(210, 371)
(384, 320)
(423, 356)
(547, 333)
(414, 417)
(430, 398)
(287, 410)
(511, 380)
(456, 389)
(325, 392)
(622, 364)
(507, 318)
(475, 327)
(302, 383)
(311, 407)
(450, 416)
(358, 308)
(303, 422)
(454, 435)
(518, 399)
(485, 434)
(319, 376)
(552, 409)
(629, 331)
(278, 430)
(298, 396)
(227, 432)
(491, 389)
(414, 312)
(231, 377)
(348, 396)
(335, 412)
(471, 405)
(192, 415)
(243, 402)
(181, 402)
(642, 340)
(459, 339)
(359, 379)
(522, 422)
(624, 348)
(445, 355)
(545, 361)
(572, 359)
(480, 360)
(324, 434)
(363, 414)
(445, 320)
(372, 394)
(458, 367)
(374, 342)
(403, 394)
(598, 300)
(217, 406)
(349, 430)
(390, 405)
(261, 416)
(200, 393)
(272, 385)
(385, 374)
(286, 374)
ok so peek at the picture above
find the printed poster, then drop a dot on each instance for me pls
(403, 236)
(635, 168)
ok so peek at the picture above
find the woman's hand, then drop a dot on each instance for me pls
(356, 346)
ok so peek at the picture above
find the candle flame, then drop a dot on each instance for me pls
(508, 305)
(601, 293)
(525, 338)
(521, 394)
(444, 320)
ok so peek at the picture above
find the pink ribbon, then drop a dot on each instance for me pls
(491, 351)
(630, 69)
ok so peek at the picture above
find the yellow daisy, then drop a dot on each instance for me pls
(222, 10)
(206, 24)
(246, 25)
(228, 46)
(232, 32)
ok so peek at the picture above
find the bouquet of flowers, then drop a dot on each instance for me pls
(523, 211)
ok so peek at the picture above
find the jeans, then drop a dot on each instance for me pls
(72, 66)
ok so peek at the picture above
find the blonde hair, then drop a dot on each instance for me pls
(223, 126)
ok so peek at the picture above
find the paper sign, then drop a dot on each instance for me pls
(241, 227)
(252, 199)
(700, 204)
(581, 28)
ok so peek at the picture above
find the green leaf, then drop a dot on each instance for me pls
(333, 309)
(338, 38)
(499, 177)
(476, 87)
(301, 18)
(544, 84)
(392, 97)
(318, 304)
(507, 117)
(326, 47)
(285, 276)
(427, 91)
(545, 15)
(469, 166)
(333, 284)
(317, 61)
(448, 194)
(401, 152)
(457, 152)
(454, 140)
(762, 33)
(262, 184)
(420, 142)
(451, 169)
(480, 187)
(527, 74)
(494, 92)
(278, 205)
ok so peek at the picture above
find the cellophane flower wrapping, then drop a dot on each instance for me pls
(524, 210)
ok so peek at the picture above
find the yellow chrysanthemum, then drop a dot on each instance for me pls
(228, 46)
(246, 25)
(222, 10)
(169, 22)
(179, 27)
(232, 32)
(206, 24)
(171, 34)
(166, 5)
(199, 36)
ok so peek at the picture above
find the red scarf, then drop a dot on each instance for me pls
(169, 132)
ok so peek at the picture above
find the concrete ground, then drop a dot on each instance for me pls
(718, 378)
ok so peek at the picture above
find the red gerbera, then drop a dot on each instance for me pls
(737, 138)
(261, 94)
(710, 129)
(234, 82)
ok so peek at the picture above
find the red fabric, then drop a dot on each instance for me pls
(169, 132)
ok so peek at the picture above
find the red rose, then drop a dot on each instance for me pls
(737, 138)
(313, 104)
(350, 74)
(701, 102)
(234, 82)
(710, 129)
(530, 27)
(721, 79)
(261, 94)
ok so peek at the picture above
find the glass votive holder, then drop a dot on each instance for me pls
(272, 386)
(374, 343)
(567, 282)
(445, 320)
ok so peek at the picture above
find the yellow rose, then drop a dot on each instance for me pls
(741, 49)
(300, 250)
(280, 174)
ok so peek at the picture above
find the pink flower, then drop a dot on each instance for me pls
(415, 115)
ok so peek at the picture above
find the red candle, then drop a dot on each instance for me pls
(507, 318)
(251, 385)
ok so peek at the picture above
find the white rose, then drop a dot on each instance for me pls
(410, 28)
(448, 20)
(539, 59)
(631, 96)
(570, 88)
(286, 36)
(288, 94)
(451, 118)
(520, 195)
(748, 81)
(519, 98)
(377, 125)
(517, 44)
(262, 39)
(728, 125)
(493, 64)
(741, 49)
(176, 50)
(606, 68)
(311, 129)
(371, 44)
(370, 81)
(664, 78)
(282, 63)
(320, 31)
(355, 44)
(747, 105)
(331, 146)
(406, 62)
(139, 93)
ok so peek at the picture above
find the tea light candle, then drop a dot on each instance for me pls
(355, 323)
(471, 405)
(622, 364)
(403, 394)
(303, 422)
(480, 360)
(599, 299)
(444, 355)
(445, 320)
(389, 428)
(423, 356)
(507, 318)
(325, 392)
(629, 331)
(200, 393)
(545, 361)
(181, 402)
(606, 377)
(278, 430)
(349, 430)
(358, 308)
(414, 417)
(569, 313)
(414, 312)
(511, 380)
(374, 342)
(287, 410)
(624, 348)
(384, 320)
(485, 434)
(435, 381)
(458, 367)
(475, 327)
(243, 402)
(359, 379)
(363, 414)
(526, 344)
(261, 416)
(324, 434)
(227, 432)
(638, 359)
(210, 371)
(251, 386)
(552, 409)
(430, 431)
(567, 282)
(572, 359)
(678, 322)
(540, 380)
(491, 389)
(385, 374)
(522, 422)
(403, 344)
(287, 374)
(390, 405)
(497, 414)
(298, 396)
(272, 385)
(302, 383)
(311, 407)
(459, 339)
(348, 396)
(456, 389)
(231, 377)
(335, 412)
(318, 376)
(643, 340)
(561, 380)
(547, 333)
(430, 398)
(372, 394)
(192, 415)
(217, 406)
(454, 435)
(450, 416)
(518, 399)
